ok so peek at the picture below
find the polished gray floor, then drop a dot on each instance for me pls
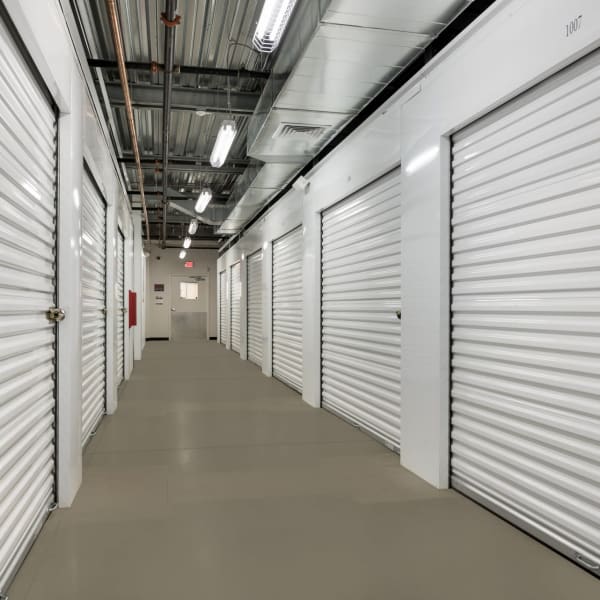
(214, 482)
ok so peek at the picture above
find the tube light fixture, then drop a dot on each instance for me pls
(187, 242)
(193, 227)
(182, 254)
(272, 23)
(225, 137)
(203, 199)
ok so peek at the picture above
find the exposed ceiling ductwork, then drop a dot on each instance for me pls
(336, 57)
(289, 107)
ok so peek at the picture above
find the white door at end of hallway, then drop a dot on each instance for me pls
(28, 311)
(93, 298)
(235, 303)
(120, 307)
(189, 307)
(223, 307)
(525, 392)
(361, 343)
(255, 308)
(287, 309)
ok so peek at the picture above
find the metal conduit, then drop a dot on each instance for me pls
(115, 29)
(170, 21)
(153, 67)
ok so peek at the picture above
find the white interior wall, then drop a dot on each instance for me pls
(81, 134)
(511, 47)
(158, 316)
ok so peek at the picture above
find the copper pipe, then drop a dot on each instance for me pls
(115, 28)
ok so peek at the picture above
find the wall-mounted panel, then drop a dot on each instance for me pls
(361, 309)
(93, 312)
(255, 308)
(287, 309)
(28, 289)
(526, 312)
(223, 307)
(235, 303)
(120, 308)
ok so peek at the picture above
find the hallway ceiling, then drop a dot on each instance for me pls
(336, 56)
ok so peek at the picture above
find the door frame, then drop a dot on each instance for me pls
(172, 291)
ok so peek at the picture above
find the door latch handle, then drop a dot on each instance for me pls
(399, 314)
(55, 314)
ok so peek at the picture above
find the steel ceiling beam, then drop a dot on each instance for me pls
(186, 160)
(179, 166)
(153, 67)
(173, 195)
(184, 98)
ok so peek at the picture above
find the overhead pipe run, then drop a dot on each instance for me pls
(154, 67)
(115, 29)
(170, 20)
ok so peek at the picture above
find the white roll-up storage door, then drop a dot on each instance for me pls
(526, 312)
(93, 298)
(223, 304)
(287, 309)
(120, 307)
(236, 299)
(28, 149)
(361, 303)
(255, 308)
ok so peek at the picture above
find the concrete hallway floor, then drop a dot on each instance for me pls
(214, 482)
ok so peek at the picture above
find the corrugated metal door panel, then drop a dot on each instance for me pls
(28, 150)
(223, 305)
(120, 307)
(236, 298)
(93, 295)
(361, 292)
(255, 308)
(526, 312)
(287, 309)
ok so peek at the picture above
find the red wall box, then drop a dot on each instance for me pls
(132, 309)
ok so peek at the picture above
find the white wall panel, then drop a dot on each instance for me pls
(28, 228)
(235, 303)
(255, 307)
(93, 298)
(287, 309)
(361, 300)
(526, 312)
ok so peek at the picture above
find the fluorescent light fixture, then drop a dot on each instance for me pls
(187, 242)
(203, 199)
(193, 227)
(223, 143)
(272, 23)
(421, 160)
(182, 254)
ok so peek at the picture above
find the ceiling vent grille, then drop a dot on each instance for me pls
(296, 130)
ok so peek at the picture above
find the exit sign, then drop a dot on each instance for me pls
(188, 264)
